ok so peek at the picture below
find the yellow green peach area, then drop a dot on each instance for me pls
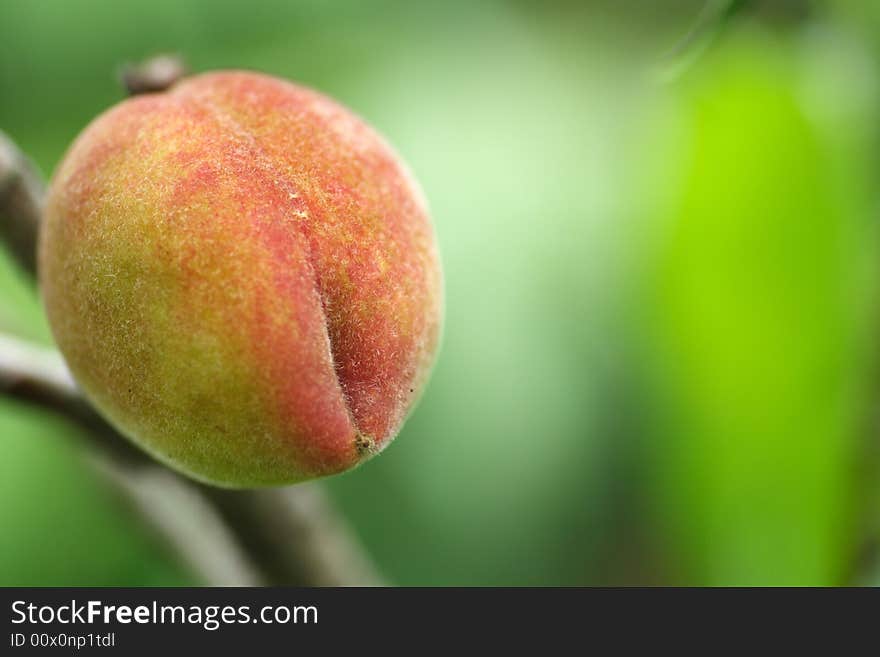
(243, 278)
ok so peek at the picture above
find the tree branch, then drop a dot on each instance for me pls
(287, 536)
(21, 203)
(309, 544)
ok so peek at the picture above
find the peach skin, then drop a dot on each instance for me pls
(243, 279)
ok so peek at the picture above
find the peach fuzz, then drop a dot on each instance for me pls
(243, 279)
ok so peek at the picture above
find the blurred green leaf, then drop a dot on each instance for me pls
(757, 319)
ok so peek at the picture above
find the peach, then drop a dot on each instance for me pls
(243, 279)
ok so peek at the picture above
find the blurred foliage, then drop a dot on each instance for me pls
(759, 317)
(657, 361)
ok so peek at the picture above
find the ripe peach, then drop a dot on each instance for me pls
(243, 278)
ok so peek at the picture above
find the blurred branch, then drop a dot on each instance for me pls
(280, 536)
(195, 531)
(21, 203)
(298, 534)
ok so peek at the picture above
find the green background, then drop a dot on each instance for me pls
(661, 272)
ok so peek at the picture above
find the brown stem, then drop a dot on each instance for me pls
(155, 74)
(287, 536)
